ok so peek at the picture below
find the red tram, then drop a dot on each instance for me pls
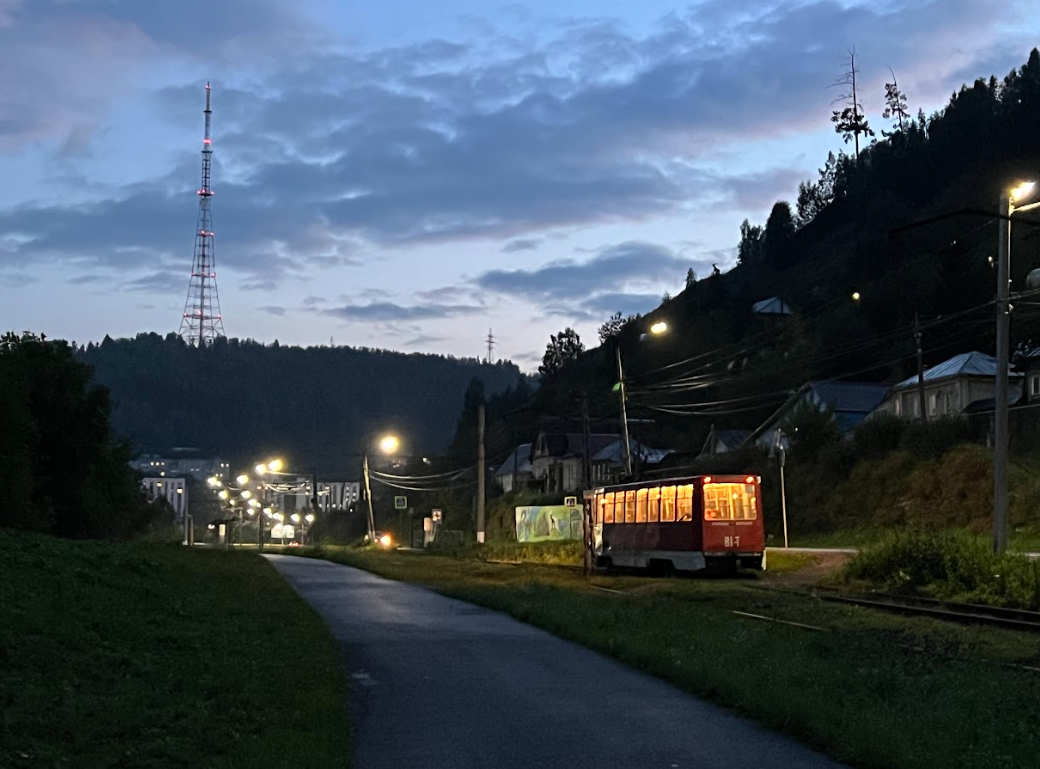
(686, 524)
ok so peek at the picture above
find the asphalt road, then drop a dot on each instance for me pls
(440, 683)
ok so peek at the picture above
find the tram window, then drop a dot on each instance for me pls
(607, 508)
(630, 506)
(653, 504)
(685, 511)
(730, 501)
(641, 506)
(667, 504)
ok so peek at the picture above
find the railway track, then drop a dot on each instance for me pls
(950, 611)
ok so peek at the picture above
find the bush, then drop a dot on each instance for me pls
(952, 565)
(935, 437)
(878, 436)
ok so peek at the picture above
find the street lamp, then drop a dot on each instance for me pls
(388, 444)
(781, 454)
(658, 328)
(1008, 199)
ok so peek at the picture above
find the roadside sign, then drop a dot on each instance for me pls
(437, 515)
(570, 501)
(400, 503)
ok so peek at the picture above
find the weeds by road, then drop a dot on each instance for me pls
(148, 655)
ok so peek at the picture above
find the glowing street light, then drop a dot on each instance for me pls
(659, 328)
(1008, 199)
(242, 479)
(389, 444)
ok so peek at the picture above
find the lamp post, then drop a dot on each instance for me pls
(1008, 199)
(658, 328)
(781, 455)
(388, 444)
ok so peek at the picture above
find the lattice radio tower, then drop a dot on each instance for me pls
(201, 322)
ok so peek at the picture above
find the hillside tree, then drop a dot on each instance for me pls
(850, 122)
(780, 229)
(895, 105)
(562, 348)
(750, 250)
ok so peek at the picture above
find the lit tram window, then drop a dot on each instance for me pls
(641, 506)
(630, 506)
(608, 508)
(667, 504)
(685, 502)
(653, 505)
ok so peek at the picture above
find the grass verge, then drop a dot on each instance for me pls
(149, 655)
(871, 689)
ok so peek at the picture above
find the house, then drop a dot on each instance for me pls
(1029, 363)
(849, 402)
(558, 459)
(721, 441)
(608, 464)
(772, 306)
(951, 387)
(516, 471)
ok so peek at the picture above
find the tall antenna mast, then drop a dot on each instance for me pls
(201, 322)
(490, 346)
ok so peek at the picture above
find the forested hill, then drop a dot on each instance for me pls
(311, 405)
(905, 226)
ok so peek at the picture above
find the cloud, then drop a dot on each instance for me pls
(423, 340)
(328, 155)
(392, 312)
(623, 265)
(521, 244)
(273, 310)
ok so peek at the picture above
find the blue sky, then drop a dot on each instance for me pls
(408, 175)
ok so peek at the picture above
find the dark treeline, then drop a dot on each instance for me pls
(312, 406)
(62, 470)
(852, 232)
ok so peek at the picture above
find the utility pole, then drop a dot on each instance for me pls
(586, 505)
(920, 367)
(368, 496)
(480, 473)
(586, 474)
(624, 408)
(314, 490)
(1000, 430)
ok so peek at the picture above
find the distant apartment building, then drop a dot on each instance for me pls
(199, 468)
(173, 490)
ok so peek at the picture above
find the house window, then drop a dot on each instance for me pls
(899, 405)
(933, 404)
(1034, 385)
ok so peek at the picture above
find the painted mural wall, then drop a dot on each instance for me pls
(547, 522)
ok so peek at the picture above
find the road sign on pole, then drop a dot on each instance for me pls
(400, 503)
(437, 515)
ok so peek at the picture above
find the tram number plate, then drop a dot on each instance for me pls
(731, 541)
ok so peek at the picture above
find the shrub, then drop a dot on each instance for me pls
(953, 565)
(878, 436)
(934, 437)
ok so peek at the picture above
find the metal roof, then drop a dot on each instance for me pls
(850, 396)
(615, 453)
(521, 455)
(965, 364)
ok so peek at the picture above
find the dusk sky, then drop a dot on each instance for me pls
(408, 175)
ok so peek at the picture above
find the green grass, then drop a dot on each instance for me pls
(151, 655)
(874, 690)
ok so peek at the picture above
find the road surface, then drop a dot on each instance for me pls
(440, 683)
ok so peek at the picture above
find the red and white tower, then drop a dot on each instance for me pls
(201, 322)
